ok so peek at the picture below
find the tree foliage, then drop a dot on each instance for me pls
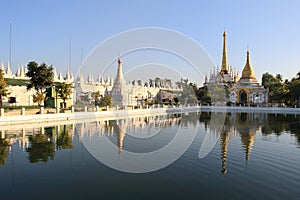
(41, 78)
(96, 96)
(64, 90)
(106, 100)
(159, 82)
(188, 94)
(287, 92)
(203, 95)
(3, 87)
(39, 97)
(275, 86)
(293, 95)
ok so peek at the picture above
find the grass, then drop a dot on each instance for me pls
(20, 107)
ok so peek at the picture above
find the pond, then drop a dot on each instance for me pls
(177, 156)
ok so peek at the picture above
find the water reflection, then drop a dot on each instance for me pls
(247, 125)
(279, 124)
(41, 143)
(40, 149)
(64, 137)
(4, 149)
(138, 129)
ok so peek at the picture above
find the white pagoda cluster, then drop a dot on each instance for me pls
(123, 93)
(22, 70)
(8, 73)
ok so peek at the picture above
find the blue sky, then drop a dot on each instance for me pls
(42, 29)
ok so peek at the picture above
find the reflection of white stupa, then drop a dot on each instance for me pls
(118, 92)
(120, 131)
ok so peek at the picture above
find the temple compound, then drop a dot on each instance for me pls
(245, 90)
(123, 93)
(242, 91)
(18, 95)
(248, 90)
(137, 92)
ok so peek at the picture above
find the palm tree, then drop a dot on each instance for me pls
(39, 97)
(278, 77)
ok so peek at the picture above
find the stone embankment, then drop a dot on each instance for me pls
(118, 114)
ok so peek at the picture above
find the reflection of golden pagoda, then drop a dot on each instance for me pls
(248, 141)
(224, 146)
(226, 131)
(247, 125)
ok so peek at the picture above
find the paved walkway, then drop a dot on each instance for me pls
(93, 116)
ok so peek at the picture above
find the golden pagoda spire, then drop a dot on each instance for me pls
(248, 72)
(224, 68)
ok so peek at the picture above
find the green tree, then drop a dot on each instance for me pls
(96, 96)
(203, 95)
(64, 91)
(41, 77)
(277, 91)
(218, 93)
(294, 91)
(298, 76)
(280, 91)
(39, 97)
(157, 81)
(107, 100)
(267, 79)
(3, 87)
(147, 101)
(278, 77)
(187, 95)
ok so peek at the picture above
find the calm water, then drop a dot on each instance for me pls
(252, 156)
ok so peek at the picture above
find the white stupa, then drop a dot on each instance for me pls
(119, 93)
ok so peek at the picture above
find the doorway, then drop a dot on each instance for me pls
(243, 97)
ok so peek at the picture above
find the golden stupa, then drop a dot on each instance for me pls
(248, 76)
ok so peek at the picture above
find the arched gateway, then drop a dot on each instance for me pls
(243, 97)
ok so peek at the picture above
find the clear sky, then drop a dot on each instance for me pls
(42, 29)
